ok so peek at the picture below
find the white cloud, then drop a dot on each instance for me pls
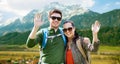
(117, 3)
(3, 1)
(38, 4)
(88, 3)
(22, 7)
(5, 6)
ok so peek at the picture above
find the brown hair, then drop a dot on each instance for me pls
(55, 11)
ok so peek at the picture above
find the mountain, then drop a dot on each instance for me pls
(110, 19)
(17, 38)
(85, 20)
(18, 31)
(108, 33)
(7, 16)
(26, 23)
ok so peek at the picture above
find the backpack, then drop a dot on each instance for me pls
(45, 36)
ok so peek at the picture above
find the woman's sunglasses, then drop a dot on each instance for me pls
(69, 29)
(58, 18)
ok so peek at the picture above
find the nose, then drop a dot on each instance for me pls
(56, 19)
(67, 31)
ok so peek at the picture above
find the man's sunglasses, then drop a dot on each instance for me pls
(58, 18)
(69, 29)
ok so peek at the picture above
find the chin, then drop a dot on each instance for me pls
(69, 36)
(56, 26)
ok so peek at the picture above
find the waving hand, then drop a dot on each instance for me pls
(37, 20)
(95, 27)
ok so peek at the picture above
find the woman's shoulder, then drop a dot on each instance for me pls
(85, 40)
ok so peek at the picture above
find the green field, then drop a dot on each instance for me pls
(14, 53)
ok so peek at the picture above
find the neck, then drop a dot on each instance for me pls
(53, 28)
(70, 39)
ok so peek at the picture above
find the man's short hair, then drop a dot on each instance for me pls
(55, 11)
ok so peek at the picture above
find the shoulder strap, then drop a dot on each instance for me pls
(78, 42)
(45, 35)
(63, 36)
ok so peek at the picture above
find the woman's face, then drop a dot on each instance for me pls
(68, 30)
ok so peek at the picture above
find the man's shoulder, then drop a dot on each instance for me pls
(41, 30)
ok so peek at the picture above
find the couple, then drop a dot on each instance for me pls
(58, 48)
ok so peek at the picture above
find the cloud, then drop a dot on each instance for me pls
(88, 3)
(38, 4)
(22, 7)
(6, 7)
(117, 3)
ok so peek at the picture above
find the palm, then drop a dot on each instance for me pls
(96, 27)
(37, 20)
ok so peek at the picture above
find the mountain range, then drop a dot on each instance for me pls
(18, 31)
(26, 23)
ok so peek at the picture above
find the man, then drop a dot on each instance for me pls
(53, 52)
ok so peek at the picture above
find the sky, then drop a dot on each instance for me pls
(20, 8)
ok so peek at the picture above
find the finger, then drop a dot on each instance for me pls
(92, 26)
(40, 16)
(35, 17)
(99, 26)
(96, 22)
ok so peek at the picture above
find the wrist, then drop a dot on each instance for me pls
(35, 28)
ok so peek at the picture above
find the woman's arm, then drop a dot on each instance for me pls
(95, 42)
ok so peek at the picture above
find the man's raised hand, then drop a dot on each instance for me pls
(37, 20)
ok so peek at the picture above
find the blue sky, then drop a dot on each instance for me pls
(19, 8)
(103, 6)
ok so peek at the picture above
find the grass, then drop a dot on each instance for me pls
(105, 48)
(17, 55)
(29, 53)
(106, 55)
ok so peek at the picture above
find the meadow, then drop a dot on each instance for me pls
(21, 55)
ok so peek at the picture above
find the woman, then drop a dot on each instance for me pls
(77, 51)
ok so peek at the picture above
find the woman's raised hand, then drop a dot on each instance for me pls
(96, 27)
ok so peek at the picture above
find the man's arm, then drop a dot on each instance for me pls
(37, 23)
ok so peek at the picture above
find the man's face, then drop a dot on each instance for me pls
(55, 20)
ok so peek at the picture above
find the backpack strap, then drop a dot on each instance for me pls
(63, 36)
(45, 35)
(79, 46)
